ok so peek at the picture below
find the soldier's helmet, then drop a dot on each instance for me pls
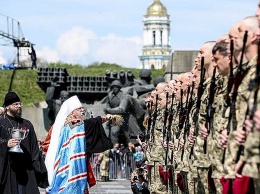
(64, 95)
(144, 73)
(116, 83)
(157, 80)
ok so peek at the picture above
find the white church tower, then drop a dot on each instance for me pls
(156, 37)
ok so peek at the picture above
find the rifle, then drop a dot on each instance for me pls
(209, 111)
(150, 105)
(168, 137)
(165, 116)
(239, 75)
(254, 85)
(231, 75)
(199, 95)
(168, 133)
(181, 115)
(229, 88)
(153, 123)
(154, 118)
(187, 124)
(178, 112)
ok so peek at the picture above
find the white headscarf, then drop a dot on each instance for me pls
(66, 108)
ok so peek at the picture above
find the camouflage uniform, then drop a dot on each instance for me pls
(156, 184)
(169, 167)
(201, 160)
(252, 149)
(217, 152)
(238, 118)
(147, 148)
(183, 164)
(190, 169)
(180, 169)
(104, 165)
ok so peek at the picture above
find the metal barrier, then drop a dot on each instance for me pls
(119, 166)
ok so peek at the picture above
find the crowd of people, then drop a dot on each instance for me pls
(203, 127)
(202, 131)
(118, 162)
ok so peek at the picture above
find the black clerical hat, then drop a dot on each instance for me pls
(10, 98)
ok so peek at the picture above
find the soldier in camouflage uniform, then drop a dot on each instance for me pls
(250, 159)
(156, 184)
(183, 155)
(104, 159)
(168, 143)
(174, 129)
(251, 167)
(233, 169)
(222, 59)
(192, 175)
(201, 160)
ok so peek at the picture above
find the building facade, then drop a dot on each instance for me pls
(156, 50)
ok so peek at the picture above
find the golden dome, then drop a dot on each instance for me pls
(157, 8)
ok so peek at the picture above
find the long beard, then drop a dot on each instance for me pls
(17, 113)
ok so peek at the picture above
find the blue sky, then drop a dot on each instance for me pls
(86, 31)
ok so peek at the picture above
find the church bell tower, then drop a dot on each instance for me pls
(156, 37)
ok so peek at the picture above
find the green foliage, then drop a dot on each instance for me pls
(25, 81)
(24, 84)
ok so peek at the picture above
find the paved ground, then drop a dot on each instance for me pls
(119, 186)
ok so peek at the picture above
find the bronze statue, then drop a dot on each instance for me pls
(54, 104)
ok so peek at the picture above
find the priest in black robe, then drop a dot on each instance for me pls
(20, 173)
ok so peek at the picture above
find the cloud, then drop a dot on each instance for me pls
(2, 60)
(115, 49)
(83, 46)
(50, 55)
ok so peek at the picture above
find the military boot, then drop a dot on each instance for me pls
(103, 179)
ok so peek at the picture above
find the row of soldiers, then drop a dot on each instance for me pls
(203, 127)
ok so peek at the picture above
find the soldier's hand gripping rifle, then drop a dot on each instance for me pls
(254, 86)
(237, 81)
(199, 95)
(209, 110)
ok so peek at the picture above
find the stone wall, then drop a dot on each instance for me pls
(180, 62)
(38, 118)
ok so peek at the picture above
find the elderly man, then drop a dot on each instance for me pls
(73, 138)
